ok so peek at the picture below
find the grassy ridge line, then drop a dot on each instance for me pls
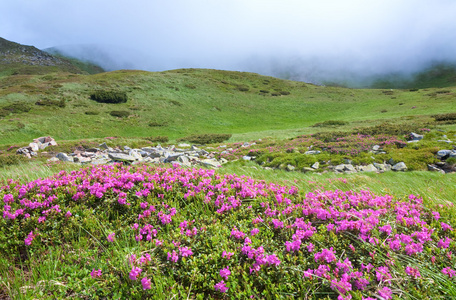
(189, 101)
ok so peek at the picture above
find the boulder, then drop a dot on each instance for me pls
(434, 168)
(383, 167)
(210, 163)
(316, 165)
(312, 152)
(246, 157)
(399, 167)
(368, 168)
(290, 167)
(64, 157)
(121, 157)
(415, 137)
(443, 154)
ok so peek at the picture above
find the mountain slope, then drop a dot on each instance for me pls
(181, 102)
(27, 60)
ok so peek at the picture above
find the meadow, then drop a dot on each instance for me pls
(239, 232)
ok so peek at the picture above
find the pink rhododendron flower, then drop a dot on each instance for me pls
(225, 272)
(146, 284)
(111, 237)
(412, 272)
(386, 293)
(221, 287)
(95, 273)
(135, 273)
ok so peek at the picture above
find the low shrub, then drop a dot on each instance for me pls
(52, 103)
(157, 139)
(156, 124)
(92, 113)
(17, 108)
(11, 159)
(284, 93)
(330, 123)
(392, 129)
(119, 113)
(109, 97)
(242, 88)
(190, 86)
(445, 117)
(209, 138)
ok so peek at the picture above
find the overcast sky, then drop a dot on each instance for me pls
(266, 36)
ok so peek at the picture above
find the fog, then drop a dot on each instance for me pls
(297, 39)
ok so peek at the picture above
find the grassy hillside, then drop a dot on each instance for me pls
(187, 101)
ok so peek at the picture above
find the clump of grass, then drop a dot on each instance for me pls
(51, 103)
(157, 139)
(109, 97)
(330, 123)
(208, 138)
(120, 113)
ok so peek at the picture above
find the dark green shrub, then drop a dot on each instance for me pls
(275, 94)
(4, 113)
(414, 90)
(264, 91)
(242, 88)
(119, 113)
(329, 136)
(392, 129)
(330, 123)
(92, 113)
(445, 117)
(109, 97)
(284, 93)
(17, 108)
(209, 138)
(190, 86)
(157, 139)
(11, 159)
(157, 124)
(49, 102)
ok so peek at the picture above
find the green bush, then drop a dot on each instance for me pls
(17, 108)
(157, 139)
(242, 88)
(284, 93)
(49, 102)
(209, 138)
(330, 123)
(92, 113)
(445, 117)
(119, 113)
(11, 159)
(392, 129)
(157, 124)
(109, 97)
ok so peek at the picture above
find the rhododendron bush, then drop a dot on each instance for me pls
(194, 233)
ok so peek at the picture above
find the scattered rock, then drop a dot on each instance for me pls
(368, 168)
(399, 167)
(312, 152)
(64, 157)
(315, 165)
(290, 168)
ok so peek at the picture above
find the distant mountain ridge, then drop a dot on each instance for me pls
(16, 59)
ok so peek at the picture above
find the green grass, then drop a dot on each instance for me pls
(196, 101)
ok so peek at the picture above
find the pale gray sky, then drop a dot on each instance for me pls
(263, 36)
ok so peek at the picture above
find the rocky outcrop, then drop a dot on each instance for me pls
(103, 154)
(37, 144)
